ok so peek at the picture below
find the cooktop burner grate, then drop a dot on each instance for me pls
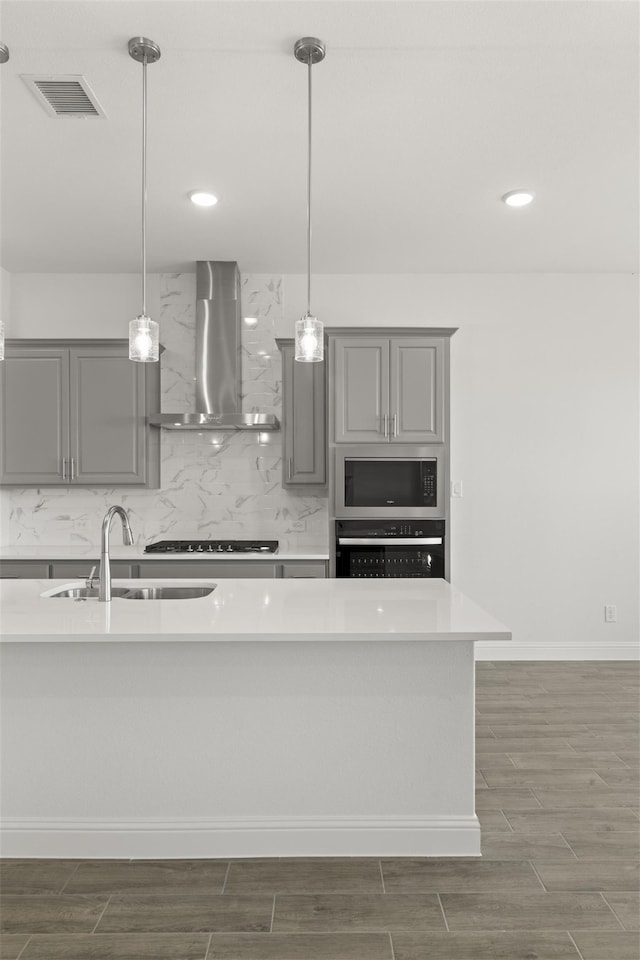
(212, 546)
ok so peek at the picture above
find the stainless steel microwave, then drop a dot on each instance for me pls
(371, 482)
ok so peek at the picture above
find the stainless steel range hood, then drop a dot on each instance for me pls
(218, 359)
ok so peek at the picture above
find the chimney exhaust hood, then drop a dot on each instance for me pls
(218, 358)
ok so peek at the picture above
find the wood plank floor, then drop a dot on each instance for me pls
(559, 801)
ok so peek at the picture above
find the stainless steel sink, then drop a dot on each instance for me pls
(167, 593)
(143, 592)
(87, 593)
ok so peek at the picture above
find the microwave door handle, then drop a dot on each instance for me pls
(389, 541)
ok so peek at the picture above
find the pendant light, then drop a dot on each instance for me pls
(4, 56)
(144, 332)
(309, 339)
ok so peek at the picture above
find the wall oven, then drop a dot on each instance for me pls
(390, 548)
(373, 482)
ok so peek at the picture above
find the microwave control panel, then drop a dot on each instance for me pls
(429, 487)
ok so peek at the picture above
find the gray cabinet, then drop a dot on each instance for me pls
(416, 390)
(389, 389)
(304, 569)
(185, 569)
(75, 412)
(24, 570)
(228, 569)
(34, 417)
(107, 416)
(304, 419)
(361, 382)
(163, 569)
(80, 569)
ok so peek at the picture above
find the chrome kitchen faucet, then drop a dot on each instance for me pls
(104, 589)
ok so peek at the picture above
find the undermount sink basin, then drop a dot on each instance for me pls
(86, 593)
(168, 593)
(143, 592)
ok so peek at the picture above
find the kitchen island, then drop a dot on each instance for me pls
(269, 718)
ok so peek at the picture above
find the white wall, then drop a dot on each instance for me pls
(544, 436)
(78, 305)
(544, 429)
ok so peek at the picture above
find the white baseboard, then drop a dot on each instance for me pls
(485, 650)
(256, 837)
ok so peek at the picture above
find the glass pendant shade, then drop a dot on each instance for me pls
(309, 340)
(144, 340)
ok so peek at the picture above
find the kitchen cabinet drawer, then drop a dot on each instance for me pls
(389, 389)
(194, 569)
(301, 569)
(75, 413)
(24, 570)
(304, 442)
(80, 569)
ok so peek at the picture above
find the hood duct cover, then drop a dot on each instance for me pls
(218, 357)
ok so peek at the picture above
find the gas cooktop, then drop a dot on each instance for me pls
(212, 546)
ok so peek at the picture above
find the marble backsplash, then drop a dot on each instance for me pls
(213, 485)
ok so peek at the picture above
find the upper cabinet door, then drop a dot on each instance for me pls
(361, 383)
(417, 390)
(304, 419)
(34, 420)
(107, 416)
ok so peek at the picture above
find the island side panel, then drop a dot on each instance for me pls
(332, 748)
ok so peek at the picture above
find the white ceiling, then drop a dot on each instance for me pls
(424, 114)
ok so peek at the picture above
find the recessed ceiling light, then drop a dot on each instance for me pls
(518, 198)
(202, 199)
(251, 321)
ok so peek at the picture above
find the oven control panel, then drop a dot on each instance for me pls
(389, 528)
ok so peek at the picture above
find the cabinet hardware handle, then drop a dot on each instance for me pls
(289, 468)
(64, 468)
(73, 469)
(386, 425)
(395, 425)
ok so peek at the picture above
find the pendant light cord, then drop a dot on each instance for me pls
(144, 185)
(309, 199)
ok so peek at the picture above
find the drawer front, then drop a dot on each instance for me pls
(80, 569)
(299, 569)
(24, 570)
(195, 569)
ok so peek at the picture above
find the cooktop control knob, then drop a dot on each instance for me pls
(199, 548)
(229, 549)
(189, 549)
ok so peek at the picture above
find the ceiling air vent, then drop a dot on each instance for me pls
(65, 96)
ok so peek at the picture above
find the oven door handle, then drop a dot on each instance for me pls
(389, 541)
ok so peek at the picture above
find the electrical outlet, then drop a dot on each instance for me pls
(456, 488)
(610, 613)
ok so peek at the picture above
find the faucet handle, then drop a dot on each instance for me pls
(91, 578)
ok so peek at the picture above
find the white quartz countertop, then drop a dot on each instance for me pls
(288, 549)
(257, 610)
